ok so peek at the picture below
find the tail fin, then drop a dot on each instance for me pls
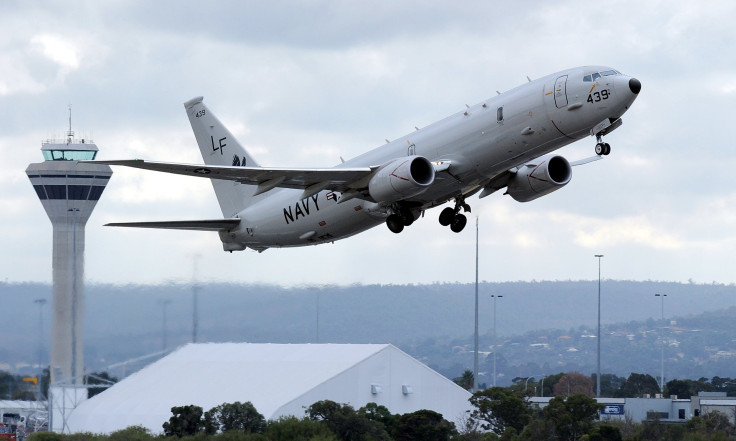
(219, 147)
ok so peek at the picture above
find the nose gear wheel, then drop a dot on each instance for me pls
(602, 148)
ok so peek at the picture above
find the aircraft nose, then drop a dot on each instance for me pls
(635, 86)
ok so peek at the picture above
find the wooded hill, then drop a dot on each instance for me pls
(543, 327)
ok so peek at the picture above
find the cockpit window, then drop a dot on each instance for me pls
(596, 76)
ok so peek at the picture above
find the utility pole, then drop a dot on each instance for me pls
(495, 340)
(661, 348)
(598, 376)
(475, 359)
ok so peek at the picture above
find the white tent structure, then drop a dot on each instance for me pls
(279, 379)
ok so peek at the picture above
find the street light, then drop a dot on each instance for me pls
(475, 335)
(598, 376)
(661, 337)
(495, 345)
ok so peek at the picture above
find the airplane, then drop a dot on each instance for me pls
(503, 142)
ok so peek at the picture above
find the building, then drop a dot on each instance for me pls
(670, 410)
(69, 191)
(279, 379)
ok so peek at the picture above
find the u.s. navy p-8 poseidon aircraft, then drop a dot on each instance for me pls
(503, 142)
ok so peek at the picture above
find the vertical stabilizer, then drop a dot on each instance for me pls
(219, 147)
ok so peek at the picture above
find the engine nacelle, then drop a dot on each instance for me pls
(539, 178)
(401, 178)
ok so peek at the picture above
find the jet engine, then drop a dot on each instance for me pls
(539, 178)
(401, 178)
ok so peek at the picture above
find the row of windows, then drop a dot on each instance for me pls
(69, 192)
(70, 176)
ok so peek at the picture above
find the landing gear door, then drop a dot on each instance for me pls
(561, 92)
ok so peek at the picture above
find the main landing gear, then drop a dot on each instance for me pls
(453, 217)
(402, 217)
(601, 148)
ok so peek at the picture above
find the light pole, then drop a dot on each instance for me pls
(495, 345)
(598, 375)
(661, 354)
(475, 335)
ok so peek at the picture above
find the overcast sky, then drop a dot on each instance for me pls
(303, 83)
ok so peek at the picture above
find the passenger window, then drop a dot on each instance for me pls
(499, 114)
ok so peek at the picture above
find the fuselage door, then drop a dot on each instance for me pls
(561, 91)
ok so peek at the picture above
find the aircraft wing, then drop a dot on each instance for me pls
(201, 225)
(308, 179)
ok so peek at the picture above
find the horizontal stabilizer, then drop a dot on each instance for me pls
(201, 225)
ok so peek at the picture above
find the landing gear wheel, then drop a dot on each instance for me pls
(606, 148)
(600, 148)
(407, 217)
(458, 223)
(395, 223)
(447, 216)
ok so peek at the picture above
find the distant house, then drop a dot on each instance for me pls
(279, 379)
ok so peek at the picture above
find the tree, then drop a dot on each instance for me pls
(425, 425)
(610, 384)
(346, 423)
(572, 416)
(131, 433)
(711, 422)
(681, 388)
(637, 385)
(241, 417)
(466, 380)
(574, 383)
(547, 384)
(380, 414)
(186, 420)
(603, 432)
(290, 428)
(499, 408)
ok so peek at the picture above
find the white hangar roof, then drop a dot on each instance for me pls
(279, 379)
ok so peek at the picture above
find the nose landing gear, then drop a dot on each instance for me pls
(453, 217)
(602, 148)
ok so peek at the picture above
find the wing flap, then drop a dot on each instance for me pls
(339, 178)
(197, 225)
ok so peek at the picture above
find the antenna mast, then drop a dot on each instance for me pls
(70, 133)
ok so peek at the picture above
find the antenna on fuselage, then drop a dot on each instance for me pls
(527, 77)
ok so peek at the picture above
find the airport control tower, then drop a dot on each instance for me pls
(69, 191)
